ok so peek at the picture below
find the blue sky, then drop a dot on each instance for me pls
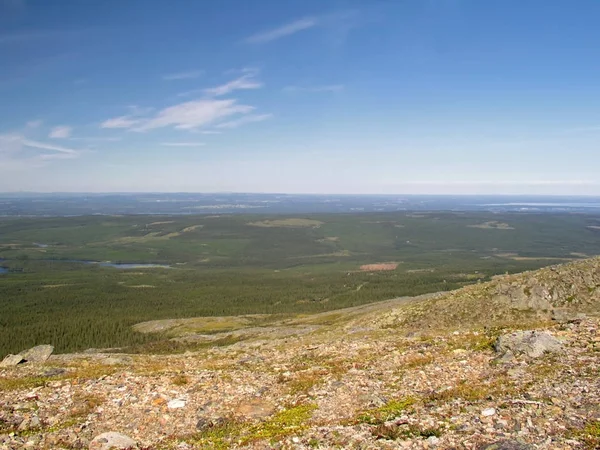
(342, 96)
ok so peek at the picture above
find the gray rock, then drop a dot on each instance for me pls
(11, 360)
(30, 423)
(112, 440)
(38, 354)
(507, 445)
(532, 344)
(564, 315)
(54, 372)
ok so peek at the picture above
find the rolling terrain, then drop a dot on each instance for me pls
(58, 287)
(443, 371)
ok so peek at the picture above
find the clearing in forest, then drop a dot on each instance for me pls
(494, 225)
(379, 266)
(291, 222)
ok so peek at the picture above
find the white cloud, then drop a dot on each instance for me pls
(10, 143)
(52, 147)
(194, 114)
(120, 122)
(324, 88)
(183, 75)
(61, 132)
(209, 132)
(283, 31)
(14, 153)
(190, 92)
(244, 82)
(96, 139)
(244, 120)
(183, 144)
(33, 123)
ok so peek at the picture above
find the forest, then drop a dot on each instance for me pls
(63, 282)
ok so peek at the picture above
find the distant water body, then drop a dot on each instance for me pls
(548, 205)
(112, 264)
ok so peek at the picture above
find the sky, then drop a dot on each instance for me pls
(300, 96)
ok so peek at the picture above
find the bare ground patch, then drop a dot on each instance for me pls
(493, 225)
(292, 222)
(379, 266)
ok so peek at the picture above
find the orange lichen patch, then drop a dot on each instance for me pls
(379, 266)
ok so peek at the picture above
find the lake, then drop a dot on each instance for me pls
(112, 264)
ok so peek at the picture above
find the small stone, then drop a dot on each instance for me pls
(433, 440)
(488, 412)
(158, 401)
(112, 440)
(176, 404)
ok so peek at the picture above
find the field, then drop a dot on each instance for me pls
(229, 265)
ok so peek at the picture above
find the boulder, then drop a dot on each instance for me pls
(38, 354)
(112, 440)
(11, 360)
(532, 344)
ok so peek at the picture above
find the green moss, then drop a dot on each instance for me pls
(386, 412)
(393, 432)
(11, 384)
(218, 437)
(289, 421)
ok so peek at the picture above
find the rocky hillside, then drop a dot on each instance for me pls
(509, 364)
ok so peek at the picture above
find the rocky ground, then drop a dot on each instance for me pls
(428, 373)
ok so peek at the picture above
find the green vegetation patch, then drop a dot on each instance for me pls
(389, 411)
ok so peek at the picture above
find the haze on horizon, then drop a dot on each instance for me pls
(302, 96)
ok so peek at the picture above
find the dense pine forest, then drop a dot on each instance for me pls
(58, 288)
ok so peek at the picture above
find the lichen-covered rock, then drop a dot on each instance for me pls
(11, 360)
(112, 440)
(507, 445)
(38, 354)
(532, 344)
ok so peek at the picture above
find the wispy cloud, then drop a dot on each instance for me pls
(190, 92)
(183, 75)
(60, 132)
(283, 31)
(244, 120)
(52, 147)
(195, 114)
(120, 122)
(33, 123)
(324, 88)
(183, 144)
(96, 139)
(244, 82)
(17, 151)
